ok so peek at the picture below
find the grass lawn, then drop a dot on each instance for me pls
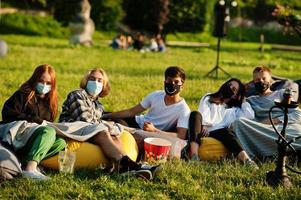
(133, 75)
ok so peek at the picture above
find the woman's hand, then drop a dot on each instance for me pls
(204, 131)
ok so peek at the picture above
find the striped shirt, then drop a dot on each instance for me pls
(79, 106)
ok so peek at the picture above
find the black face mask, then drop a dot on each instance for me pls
(227, 92)
(234, 103)
(261, 87)
(171, 89)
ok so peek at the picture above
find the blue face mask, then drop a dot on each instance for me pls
(94, 88)
(43, 88)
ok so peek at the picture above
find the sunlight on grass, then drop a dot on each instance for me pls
(133, 75)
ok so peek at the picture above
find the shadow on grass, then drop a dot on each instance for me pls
(43, 45)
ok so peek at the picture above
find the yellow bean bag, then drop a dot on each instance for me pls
(212, 149)
(91, 156)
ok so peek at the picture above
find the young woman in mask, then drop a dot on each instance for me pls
(216, 113)
(257, 136)
(83, 105)
(34, 101)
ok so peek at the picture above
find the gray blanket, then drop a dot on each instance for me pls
(17, 133)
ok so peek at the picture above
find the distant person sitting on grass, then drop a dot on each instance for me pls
(119, 42)
(161, 43)
(153, 45)
(83, 105)
(25, 111)
(168, 112)
(139, 40)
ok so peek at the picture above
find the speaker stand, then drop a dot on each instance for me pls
(213, 73)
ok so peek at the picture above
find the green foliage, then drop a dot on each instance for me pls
(148, 15)
(252, 34)
(261, 10)
(189, 15)
(18, 23)
(64, 10)
(106, 13)
(26, 4)
(191, 37)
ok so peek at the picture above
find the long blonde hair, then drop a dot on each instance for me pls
(106, 84)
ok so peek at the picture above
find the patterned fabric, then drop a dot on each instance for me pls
(258, 139)
(79, 106)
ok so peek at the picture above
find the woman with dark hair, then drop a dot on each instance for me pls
(215, 114)
(34, 102)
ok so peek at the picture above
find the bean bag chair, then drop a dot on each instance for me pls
(89, 155)
(212, 149)
(10, 166)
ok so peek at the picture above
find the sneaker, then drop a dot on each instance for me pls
(155, 170)
(194, 157)
(35, 174)
(144, 174)
(140, 173)
(251, 164)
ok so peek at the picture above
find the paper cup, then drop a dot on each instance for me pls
(156, 148)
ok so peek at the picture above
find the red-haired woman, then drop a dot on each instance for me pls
(35, 101)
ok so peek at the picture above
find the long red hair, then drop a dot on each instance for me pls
(30, 85)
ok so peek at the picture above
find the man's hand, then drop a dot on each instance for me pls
(149, 126)
(204, 131)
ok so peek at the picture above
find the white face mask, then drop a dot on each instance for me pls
(43, 88)
(94, 88)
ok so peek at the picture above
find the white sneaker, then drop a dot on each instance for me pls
(155, 170)
(35, 174)
(251, 163)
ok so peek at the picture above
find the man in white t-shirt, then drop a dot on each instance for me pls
(168, 113)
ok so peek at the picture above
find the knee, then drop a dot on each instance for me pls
(195, 116)
(61, 143)
(103, 135)
(48, 132)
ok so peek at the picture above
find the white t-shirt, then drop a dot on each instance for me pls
(164, 117)
(218, 116)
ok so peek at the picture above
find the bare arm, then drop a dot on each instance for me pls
(181, 132)
(131, 112)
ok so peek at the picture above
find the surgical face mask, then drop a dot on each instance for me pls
(171, 89)
(94, 88)
(261, 87)
(43, 88)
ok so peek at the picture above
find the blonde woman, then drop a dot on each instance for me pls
(83, 105)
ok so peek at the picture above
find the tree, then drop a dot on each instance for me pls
(106, 14)
(288, 17)
(189, 15)
(147, 15)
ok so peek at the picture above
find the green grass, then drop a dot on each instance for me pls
(133, 75)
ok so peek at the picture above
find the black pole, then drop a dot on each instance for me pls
(217, 67)
(218, 48)
(279, 175)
